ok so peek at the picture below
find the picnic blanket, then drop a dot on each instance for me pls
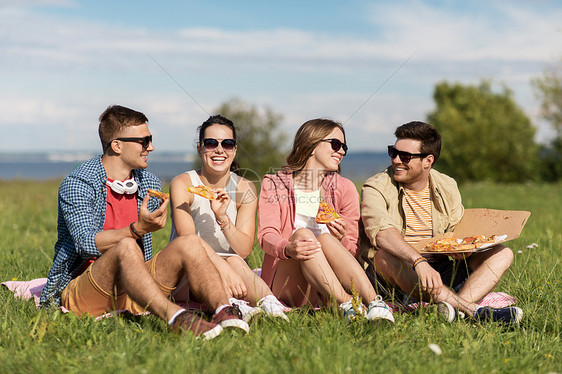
(32, 290)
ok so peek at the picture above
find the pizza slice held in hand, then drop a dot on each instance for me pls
(325, 213)
(158, 194)
(202, 191)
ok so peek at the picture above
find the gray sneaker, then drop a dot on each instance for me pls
(378, 310)
(273, 307)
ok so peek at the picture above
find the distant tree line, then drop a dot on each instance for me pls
(486, 135)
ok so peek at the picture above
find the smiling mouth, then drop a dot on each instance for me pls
(218, 159)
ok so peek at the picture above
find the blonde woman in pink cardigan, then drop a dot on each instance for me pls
(307, 263)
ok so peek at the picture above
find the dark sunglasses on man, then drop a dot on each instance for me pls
(405, 157)
(144, 141)
(226, 144)
(337, 145)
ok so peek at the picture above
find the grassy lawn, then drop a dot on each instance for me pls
(39, 341)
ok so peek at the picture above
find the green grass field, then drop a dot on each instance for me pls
(318, 342)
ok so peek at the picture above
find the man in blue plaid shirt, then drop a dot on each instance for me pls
(103, 256)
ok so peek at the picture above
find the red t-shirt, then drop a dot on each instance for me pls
(120, 211)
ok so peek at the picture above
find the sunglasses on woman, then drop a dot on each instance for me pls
(144, 141)
(405, 157)
(226, 144)
(337, 145)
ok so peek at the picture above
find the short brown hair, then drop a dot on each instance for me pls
(425, 133)
(114, 119)
(307, 138)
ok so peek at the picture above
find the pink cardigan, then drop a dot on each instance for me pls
(276, 215)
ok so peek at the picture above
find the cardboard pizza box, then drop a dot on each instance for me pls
(486, 222)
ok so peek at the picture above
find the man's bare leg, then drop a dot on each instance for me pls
(403, 276)
(488, 268)
(122, 269)
(186, 256)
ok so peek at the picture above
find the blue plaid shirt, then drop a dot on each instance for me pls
(81, 215)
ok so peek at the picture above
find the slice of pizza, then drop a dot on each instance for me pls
(442, 245)
(325, 214)
(479, 240)
(158, 194)
(202, 191)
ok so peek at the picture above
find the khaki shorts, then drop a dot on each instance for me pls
(84, 295)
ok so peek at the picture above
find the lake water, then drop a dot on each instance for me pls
(355, 166)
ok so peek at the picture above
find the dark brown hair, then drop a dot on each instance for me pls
(114, 119)
(425, 133)
(217, 119)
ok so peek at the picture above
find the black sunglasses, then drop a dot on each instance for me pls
(405, 157)
(337, 145)
(144, 141)
(211, 143)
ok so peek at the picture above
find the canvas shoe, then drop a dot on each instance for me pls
(378, 309)
(446, 311)
(230, 316)
(348, 311)
(508, 315)
(273, 307)
(248, 312)
(188, 321)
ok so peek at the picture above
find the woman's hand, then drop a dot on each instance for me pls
(234, 285)
(337, 228)
(220, 204)
(302, 249)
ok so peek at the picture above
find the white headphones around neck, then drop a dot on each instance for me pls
(128, 186)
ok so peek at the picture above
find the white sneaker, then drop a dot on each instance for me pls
(379, 310)
(273, 307)
(349, 312)
(248, 312)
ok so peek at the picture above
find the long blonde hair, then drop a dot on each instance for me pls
(306, 139)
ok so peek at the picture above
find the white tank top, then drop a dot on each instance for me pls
(206, 226)
(307, 204)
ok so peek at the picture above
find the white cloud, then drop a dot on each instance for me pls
(60, 73)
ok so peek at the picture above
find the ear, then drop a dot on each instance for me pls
(428, 161)
(199, 150)
(115, 147)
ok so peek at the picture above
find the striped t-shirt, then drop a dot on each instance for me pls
(419, 224)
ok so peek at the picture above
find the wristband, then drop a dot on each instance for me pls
(418, 261)
(224, 225)
(134, 232)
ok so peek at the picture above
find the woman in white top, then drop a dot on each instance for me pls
(226, 224)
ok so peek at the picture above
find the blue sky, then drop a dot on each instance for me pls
(62, 62)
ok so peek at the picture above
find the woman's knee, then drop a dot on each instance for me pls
(303, 234)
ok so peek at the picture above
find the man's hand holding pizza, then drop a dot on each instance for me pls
(151, 221)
